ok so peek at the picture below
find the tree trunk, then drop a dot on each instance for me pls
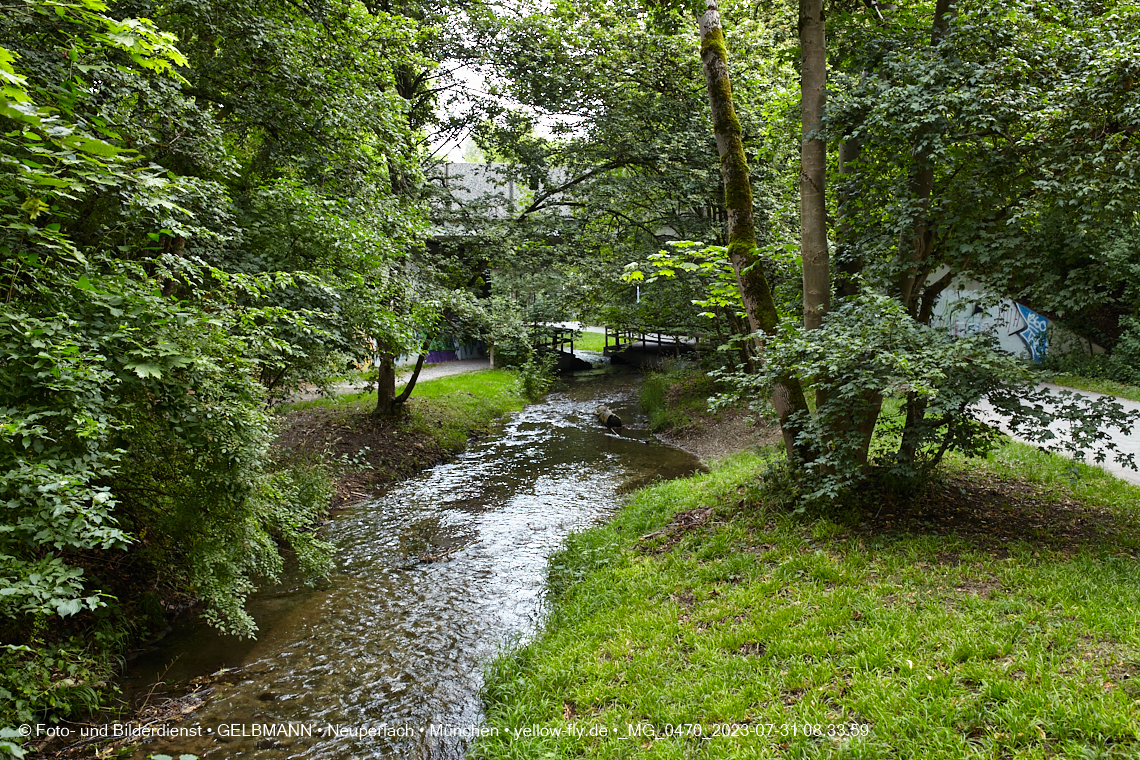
(860, 419)
(813, 164)
(915, 243)
(788, 396)
(915, 246)
(848, 264)
(386, 384)
(387, 402)
(607, 417)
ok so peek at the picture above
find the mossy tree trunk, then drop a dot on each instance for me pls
(756, 294)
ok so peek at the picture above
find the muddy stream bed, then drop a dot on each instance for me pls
(385, 658)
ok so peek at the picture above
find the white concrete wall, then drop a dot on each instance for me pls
(966, 308)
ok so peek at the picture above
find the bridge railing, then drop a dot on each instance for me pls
(621, 338)
(553, 337)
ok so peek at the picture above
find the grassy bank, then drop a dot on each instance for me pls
(1096, 385)
(999, 618)
(366, 451)
(445, 409)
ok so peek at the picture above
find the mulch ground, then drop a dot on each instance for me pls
(994, 513)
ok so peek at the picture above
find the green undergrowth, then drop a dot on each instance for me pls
(1096, 385)
(676, 397)
(698, 606)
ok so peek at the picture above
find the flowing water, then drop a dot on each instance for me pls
(385, 659)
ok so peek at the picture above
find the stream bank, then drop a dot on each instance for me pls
(433, 577)
(361, 455)
(366, 453)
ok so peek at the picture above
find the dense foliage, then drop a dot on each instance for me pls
(965, 141)
(198, 214)
(626, 162)
(1026, 118)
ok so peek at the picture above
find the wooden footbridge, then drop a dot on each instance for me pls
(623, 345)
(662, 342)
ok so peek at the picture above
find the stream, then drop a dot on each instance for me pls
(385, 659)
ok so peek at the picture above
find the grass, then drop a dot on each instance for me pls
(1096, 385)
(444, 410)
(590, 341)
(697, 606)
(496, 386)
(676, 397)
(450, 407)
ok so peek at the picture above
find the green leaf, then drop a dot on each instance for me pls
(93, 146)
(145, 370)
(68, 607)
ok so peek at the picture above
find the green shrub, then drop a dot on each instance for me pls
(131, 423)
(676, 394)
(537, 375)
(1122, 365)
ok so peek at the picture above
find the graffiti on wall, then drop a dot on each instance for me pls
(1035, 333)
(1010, 322)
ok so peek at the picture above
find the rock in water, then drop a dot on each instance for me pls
(608, 418)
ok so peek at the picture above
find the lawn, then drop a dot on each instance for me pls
(998, 618)
(590, 341)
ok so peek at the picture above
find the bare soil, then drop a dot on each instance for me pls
(728, 432)
(368, 452)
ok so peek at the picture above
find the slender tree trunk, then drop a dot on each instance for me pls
(411, 384)
(860, 419)
(915, 245)
(848, 264)
(788, 396)
(813, 164)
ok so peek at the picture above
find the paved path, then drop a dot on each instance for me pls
(1126, 443)
(443, 369)
(428, 372)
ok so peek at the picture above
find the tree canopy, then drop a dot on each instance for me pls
(206, 205)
